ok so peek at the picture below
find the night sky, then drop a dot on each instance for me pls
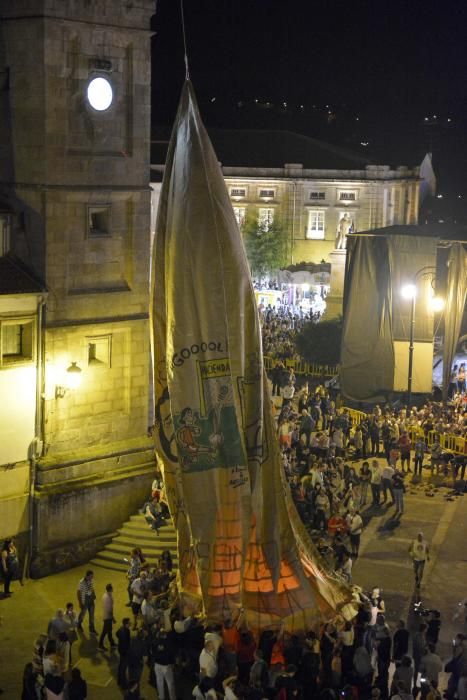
(392, 75)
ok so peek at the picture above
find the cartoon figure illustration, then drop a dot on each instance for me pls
(187, 436)
(223, 398)
(163, 425)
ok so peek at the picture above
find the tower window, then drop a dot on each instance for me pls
(99, 220)
(99, 350)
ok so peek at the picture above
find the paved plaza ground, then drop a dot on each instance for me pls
(383, 561)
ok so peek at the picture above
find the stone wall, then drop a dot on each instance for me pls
(78, 181)
(81, 500)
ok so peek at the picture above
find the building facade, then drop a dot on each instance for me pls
(310, 204)
(313, 194)
(75, 115)
(22, 299)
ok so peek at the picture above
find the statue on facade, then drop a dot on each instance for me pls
(345, 224)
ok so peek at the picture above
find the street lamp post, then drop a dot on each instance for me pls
(412, 329)
(409, 291)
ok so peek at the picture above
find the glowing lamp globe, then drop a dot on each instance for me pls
(409, 291)
(437, 304)
(73, 376)
(100, 94)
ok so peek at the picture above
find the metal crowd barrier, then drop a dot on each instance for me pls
(301, 367)
(452, 443)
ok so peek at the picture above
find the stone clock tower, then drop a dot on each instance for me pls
(74, 145)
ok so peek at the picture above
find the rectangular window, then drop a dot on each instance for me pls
(267, 193)
(99, 220)
(238, 192)
(347, 196)
(17, 342)
(315, 227)
(317, 196)
(99, 350)
(265, 218)
(240, 215)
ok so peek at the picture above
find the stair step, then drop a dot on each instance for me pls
(117, 558)
(148, 535)
(132, 541)
(150, 552)
(138, 526)
(136, 532)
(104, 564)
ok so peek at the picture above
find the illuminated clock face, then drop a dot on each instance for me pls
(100, 94)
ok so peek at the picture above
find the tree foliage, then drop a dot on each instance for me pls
(265, 246)
(320, 342)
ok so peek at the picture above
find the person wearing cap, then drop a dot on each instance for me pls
(420, 553)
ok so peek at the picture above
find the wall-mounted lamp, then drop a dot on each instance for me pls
(72, 381)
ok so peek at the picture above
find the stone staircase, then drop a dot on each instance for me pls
(136, 533)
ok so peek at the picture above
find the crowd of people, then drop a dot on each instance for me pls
(280, 327)
(336, 468)
(185, 656)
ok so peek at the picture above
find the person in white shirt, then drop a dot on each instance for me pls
(148, 609)
(288, 393)
(420, 553)
(386, 482)
(207, 660)
(108, 618)
(213, 636)
(138, 589)
(355, 531)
